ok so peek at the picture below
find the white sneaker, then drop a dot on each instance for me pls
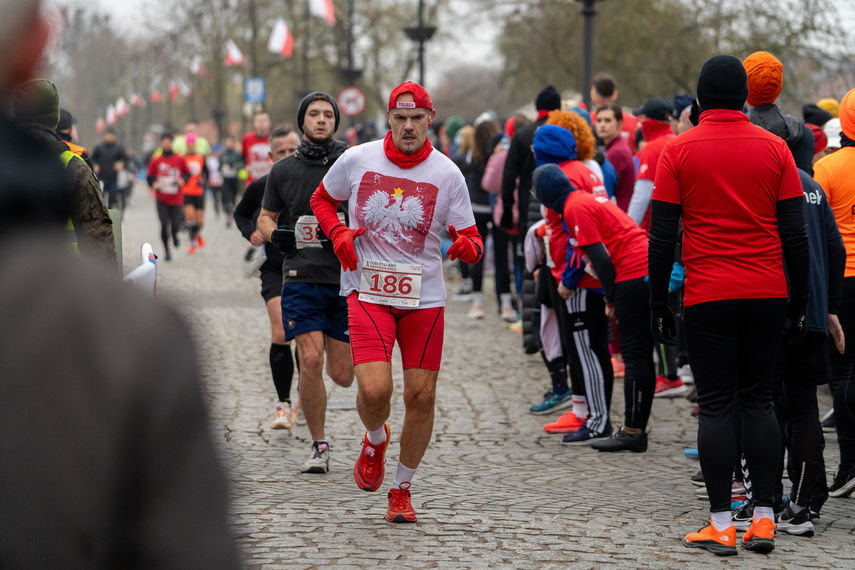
(509, 315)
(283, 416)
(685, 374)
(319, 460)
(297, 415)
(476, 312)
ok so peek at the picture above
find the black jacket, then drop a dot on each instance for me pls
(290, 185)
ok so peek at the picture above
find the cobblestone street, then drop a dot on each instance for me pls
(494, 490)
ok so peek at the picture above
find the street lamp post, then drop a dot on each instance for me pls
(421, 34)
(588, 11)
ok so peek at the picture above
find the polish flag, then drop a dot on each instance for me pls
(122, 107)
(233, 54)
(100, 125)
(323, 9)
(111, 115)
(173, 90)
(281, 41)
(155, 96)
(197, 67)
(137, 100)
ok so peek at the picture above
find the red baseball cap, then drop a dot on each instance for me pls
(421, 97)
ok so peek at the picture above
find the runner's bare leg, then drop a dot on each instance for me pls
(313, 394)
(339, 361)
(419, 400)
(375, 392)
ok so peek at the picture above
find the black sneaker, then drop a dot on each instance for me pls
(742, 515)
(797, 524)
(844, 483)
(698, 478)
(585, 436)
(622, 441)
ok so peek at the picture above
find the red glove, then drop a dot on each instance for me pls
(467, 245)
(342, 239)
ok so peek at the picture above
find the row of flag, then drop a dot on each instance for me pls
(281, 42)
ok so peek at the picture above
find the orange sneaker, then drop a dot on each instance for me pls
(191, 249)
(369, 469)
(618, 367)
(568, 422)
(719, 542)
(200, 240)
(760, 536)
(400, 510)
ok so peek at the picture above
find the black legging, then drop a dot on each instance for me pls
(632, 311)
(843, 378)
(476, 270)
(732, 346)
(170, 219)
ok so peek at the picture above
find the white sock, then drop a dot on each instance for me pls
(506, 300)
(721, 520)
(764, 513)
(378, 436)
(402, 475)
(466, 284)
(580, 407)
(477, 298)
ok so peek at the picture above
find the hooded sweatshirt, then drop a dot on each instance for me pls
(795, 133)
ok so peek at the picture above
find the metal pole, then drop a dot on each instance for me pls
(589, 11)
(307, 21)
(421, 44)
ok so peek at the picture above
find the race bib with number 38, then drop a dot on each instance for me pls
(306, 231)
(394, 284)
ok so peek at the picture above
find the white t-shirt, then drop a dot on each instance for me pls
(403, 211)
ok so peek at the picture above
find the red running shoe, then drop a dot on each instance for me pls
(669, 388)
(400, 510)
(369, 469)
(568, 422)
(200, 240)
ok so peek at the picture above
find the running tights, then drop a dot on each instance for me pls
(170, 222)
(632, 311)
(732, 346)
(282, 367)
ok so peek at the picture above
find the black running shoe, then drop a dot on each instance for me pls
(797, 524)
(622, 441)
(698, 479)
(829, 425)
(844, 483)
(742, 514)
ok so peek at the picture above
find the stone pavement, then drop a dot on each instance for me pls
(494, 490)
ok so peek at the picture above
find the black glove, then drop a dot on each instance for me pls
(663, 326)
(695, 113)
(326, 242)
(284, 239)
(797, 326)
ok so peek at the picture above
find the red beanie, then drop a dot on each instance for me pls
(819, 138)
(421, 97)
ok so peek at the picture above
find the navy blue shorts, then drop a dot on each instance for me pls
(308, 307)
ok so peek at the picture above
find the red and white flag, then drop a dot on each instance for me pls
(111, 115)
(137, 100)
(122, 107)
(155, 96)
(281, 41)
(173, 90)
(100, 125)
(197, 67)
(323, 9)
(233, 54)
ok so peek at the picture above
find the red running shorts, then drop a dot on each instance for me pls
(374, 329)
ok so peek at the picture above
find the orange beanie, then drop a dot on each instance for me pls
(765, 78)
(847, 114)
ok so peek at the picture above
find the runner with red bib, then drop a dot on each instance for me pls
(400, 196)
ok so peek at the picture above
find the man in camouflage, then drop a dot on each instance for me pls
(36, 105)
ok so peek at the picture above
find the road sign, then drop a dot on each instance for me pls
(253, 90)
(351, 101)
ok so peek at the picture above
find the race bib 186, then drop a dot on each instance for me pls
(387, 283)
(306, 231)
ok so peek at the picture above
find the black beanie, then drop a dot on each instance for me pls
(548, 100)
(304, 105)
(722, 84)
(815, 115)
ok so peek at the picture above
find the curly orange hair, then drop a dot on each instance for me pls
(581, 132)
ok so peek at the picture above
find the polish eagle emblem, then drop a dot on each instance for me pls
(391, 213)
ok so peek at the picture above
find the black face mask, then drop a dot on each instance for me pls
(846, 141)
(310, 150)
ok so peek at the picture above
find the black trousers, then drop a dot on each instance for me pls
(843, 378)
(170, 222)
(797, 372)
(632, 311)
(732, 346)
